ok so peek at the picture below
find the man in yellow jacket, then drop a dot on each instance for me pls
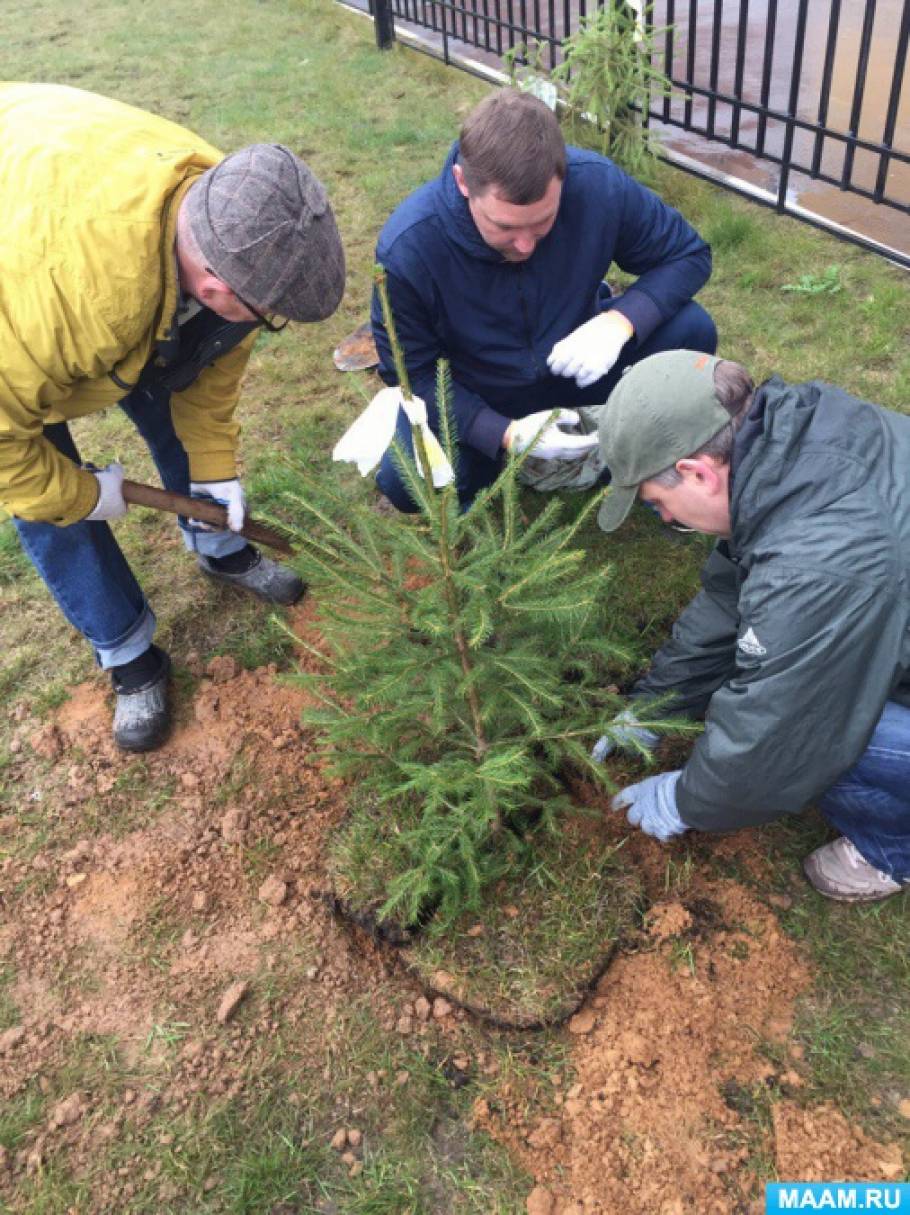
(138, 264)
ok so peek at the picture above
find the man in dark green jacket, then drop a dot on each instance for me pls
(797, 649)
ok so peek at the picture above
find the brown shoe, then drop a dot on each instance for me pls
(838, 871)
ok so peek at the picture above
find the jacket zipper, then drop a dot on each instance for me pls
(529, 333)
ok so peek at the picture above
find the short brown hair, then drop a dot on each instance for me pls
(734, 389)
(512, 142)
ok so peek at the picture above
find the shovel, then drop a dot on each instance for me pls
(198, 508)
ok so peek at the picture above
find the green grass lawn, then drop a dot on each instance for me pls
(374, 126)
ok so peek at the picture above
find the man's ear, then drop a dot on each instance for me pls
(212, 291)
(704, 471)
(458, 174)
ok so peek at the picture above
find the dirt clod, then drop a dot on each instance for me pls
(422, 1008)
(231, 1000)
(273, 891)
(234, 824)
(67, 1111)
(540, 1202)
(11, 1038)
(583, 1022)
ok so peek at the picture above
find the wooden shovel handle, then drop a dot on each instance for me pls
(198, 508)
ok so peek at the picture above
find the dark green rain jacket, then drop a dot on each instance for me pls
(801, 632)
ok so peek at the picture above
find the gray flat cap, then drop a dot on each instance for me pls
(264, 225)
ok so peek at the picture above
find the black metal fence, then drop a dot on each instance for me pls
(812, 89)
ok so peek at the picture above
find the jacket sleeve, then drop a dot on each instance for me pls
(816, 662)
(203, 415)
(670, 258)
(478, 425)
(37, 482)
(701, 652)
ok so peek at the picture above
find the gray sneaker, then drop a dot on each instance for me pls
(270, 581)
(142, 716)
(838, 871)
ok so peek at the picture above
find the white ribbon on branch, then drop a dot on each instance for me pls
(368, 438)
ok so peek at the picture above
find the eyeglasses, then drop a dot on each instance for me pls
(269, 322)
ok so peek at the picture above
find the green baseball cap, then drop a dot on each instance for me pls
(662, 410)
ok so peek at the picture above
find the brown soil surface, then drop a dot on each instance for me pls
(187, 915)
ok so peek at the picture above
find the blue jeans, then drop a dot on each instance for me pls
(82, 565)
(870, 803)
(690, 329)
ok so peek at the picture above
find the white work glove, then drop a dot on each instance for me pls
(110, 504)
(365, 441)
(625, 733)
(591, 350)
(651, 805)
(228, 493)
(552, 442)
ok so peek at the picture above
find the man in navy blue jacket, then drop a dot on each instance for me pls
(498, 266)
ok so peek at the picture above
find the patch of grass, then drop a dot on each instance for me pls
(259, 858)
(13, 562)
(19, 1115)
(9, 1010)
(731, 228)
(268, 642)
(50, 1191)
(157, 934)
(540, 937)
(49, 698)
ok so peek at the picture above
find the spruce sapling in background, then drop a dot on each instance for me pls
(463, 665)
(605, 80)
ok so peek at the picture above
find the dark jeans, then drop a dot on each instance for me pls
(82, 565)
(870, 804)
(690, 329)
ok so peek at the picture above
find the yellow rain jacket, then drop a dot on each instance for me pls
(89, 193)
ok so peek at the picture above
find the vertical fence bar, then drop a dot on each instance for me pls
(669, 53)
(384, 23)
(825, 91)
(551, 16)
(859, 89)
(716, 27)
(793, 103)
(690, 61)
(767, 65)
(897, 81)
(741, 32)
(444, 27)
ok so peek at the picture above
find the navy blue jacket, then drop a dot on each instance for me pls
(496, 321)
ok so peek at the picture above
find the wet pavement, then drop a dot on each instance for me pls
(886, 225)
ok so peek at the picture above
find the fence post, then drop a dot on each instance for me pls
(384, 22)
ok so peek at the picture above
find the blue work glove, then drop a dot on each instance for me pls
(651, 805)
(625, 733)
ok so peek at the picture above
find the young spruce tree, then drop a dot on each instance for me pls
(462, 670)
